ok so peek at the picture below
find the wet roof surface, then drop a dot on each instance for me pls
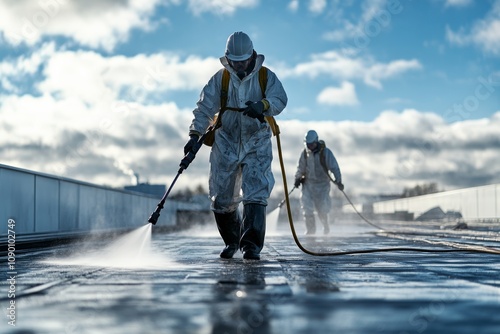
(180, 285)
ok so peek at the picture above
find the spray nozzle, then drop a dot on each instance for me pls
(153, 219)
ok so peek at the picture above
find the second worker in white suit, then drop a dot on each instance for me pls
(315, 163)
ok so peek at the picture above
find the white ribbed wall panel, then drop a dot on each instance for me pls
(473, 203)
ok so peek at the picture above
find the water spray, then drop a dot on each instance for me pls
(184, 164)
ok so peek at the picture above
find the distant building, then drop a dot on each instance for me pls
(157, 190)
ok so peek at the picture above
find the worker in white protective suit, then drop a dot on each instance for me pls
(315, 164)
(241, 155)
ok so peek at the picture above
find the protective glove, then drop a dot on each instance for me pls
(193, 139)
(298, 181)
(255, 110)
(340, 186)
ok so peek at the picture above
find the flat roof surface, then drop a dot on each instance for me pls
(176, 283)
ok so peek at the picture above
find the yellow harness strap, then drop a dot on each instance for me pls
(263, 85)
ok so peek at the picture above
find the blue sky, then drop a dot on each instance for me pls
(405, 92)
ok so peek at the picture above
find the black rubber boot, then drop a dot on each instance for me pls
(229, 226)
(323, 217)
(253, 231)
(310, 225)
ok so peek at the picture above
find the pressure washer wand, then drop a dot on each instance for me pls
(184, 164)
(284, 199)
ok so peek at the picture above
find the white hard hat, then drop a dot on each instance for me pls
(239, 47)
(311, 137)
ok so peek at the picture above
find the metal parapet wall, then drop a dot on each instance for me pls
(46, 206)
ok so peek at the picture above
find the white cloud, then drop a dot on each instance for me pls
(457, 3)
(345, 95)
(95, 23)
(220, 7)
(373, 13)
(293, 5)
(94, 78)
(378, 72)
(317, 6)
(484, 33)
(70, 138)
(341, 67)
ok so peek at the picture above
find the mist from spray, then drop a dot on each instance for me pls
(272, 219)
(131, 250)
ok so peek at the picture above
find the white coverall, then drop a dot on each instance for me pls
(316, 187)
(241, 155)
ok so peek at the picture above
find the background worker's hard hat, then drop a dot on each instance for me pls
(311, 137)
(239, 47)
